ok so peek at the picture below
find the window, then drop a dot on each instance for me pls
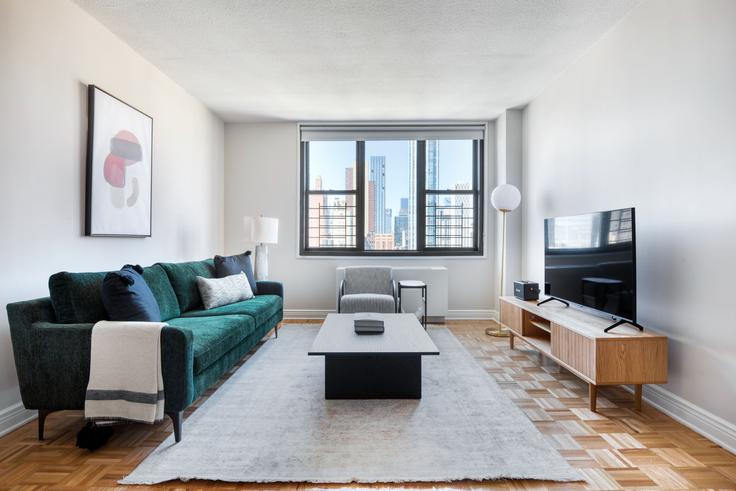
(391, 190)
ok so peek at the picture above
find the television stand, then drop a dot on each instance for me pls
(576, 341)
(621, 322)
(549, 299)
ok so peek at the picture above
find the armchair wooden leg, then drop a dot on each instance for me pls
(177, 417)
(42, 413)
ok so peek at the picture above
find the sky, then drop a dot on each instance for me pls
(329, 160)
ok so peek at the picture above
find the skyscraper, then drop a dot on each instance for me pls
(377, 175)
(350, 177)
(411, 221)
(401, 226)
(432, 182)
(350, 184)
(433, 164)
(317, 206)
(464, 211)
(350, 209)
(370, 229)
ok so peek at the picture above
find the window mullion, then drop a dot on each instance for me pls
(478, 188)
(360, 195)
(421, 193)
(304, 236)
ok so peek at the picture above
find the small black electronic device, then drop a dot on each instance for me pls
(366, 323)
(526, 290)
(368, 330)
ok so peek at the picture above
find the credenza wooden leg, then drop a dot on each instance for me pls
(637, 397)
(592, 393)
(511, 340)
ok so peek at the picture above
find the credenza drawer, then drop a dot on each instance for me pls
(511, 316)
(575, 350)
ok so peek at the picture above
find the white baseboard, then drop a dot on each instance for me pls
(306, 313)
(696, 418)
(15, 416)
(480, 314)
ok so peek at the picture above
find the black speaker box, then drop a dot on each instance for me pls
(526, 290)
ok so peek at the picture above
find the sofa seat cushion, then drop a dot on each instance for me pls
(183, 277)
(214, 336)
(367, 302)
(260, 307)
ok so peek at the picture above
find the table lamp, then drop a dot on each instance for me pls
(262, 231)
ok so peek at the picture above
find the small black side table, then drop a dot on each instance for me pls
(415, 284)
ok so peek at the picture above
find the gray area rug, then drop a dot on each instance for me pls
(270, 423)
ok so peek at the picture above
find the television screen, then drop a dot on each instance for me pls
(590, 260)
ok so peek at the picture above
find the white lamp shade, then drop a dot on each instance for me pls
(263, 230)
(505, 197)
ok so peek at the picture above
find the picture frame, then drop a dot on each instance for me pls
(119, 180)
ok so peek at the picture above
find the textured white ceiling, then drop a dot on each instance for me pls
(256, 60)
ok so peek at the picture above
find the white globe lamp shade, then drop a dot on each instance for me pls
(505, 197)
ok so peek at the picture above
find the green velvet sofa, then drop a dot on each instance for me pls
(51, 336)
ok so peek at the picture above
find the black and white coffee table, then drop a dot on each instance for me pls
(373, 366)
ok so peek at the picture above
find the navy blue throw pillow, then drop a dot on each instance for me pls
(240, 263)
(127, 297)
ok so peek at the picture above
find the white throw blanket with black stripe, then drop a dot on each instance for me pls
(125, 377)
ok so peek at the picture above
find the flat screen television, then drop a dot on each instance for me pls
(590, 261)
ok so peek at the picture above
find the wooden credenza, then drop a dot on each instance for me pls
(575, 340)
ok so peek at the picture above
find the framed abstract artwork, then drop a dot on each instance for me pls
(119, 168)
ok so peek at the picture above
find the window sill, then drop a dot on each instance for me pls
(384, 255)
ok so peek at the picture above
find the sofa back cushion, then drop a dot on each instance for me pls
(158, 282)
(77, 298)
(183, 277)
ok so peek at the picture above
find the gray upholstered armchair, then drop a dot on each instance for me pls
(367, 289)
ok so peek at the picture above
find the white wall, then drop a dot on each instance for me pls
(49, 51)
(261, 170)
(509, 150)
(647, 118)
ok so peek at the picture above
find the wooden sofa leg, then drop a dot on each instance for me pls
(177, 417)
(42, 413)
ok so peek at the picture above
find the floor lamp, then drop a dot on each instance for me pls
(504, 198)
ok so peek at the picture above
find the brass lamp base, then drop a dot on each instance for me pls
(498, 332)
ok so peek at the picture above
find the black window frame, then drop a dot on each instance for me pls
(359, 192)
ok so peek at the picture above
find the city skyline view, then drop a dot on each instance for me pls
(390, 194)
(330, 159)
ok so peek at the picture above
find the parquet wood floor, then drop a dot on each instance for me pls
(616, 448)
